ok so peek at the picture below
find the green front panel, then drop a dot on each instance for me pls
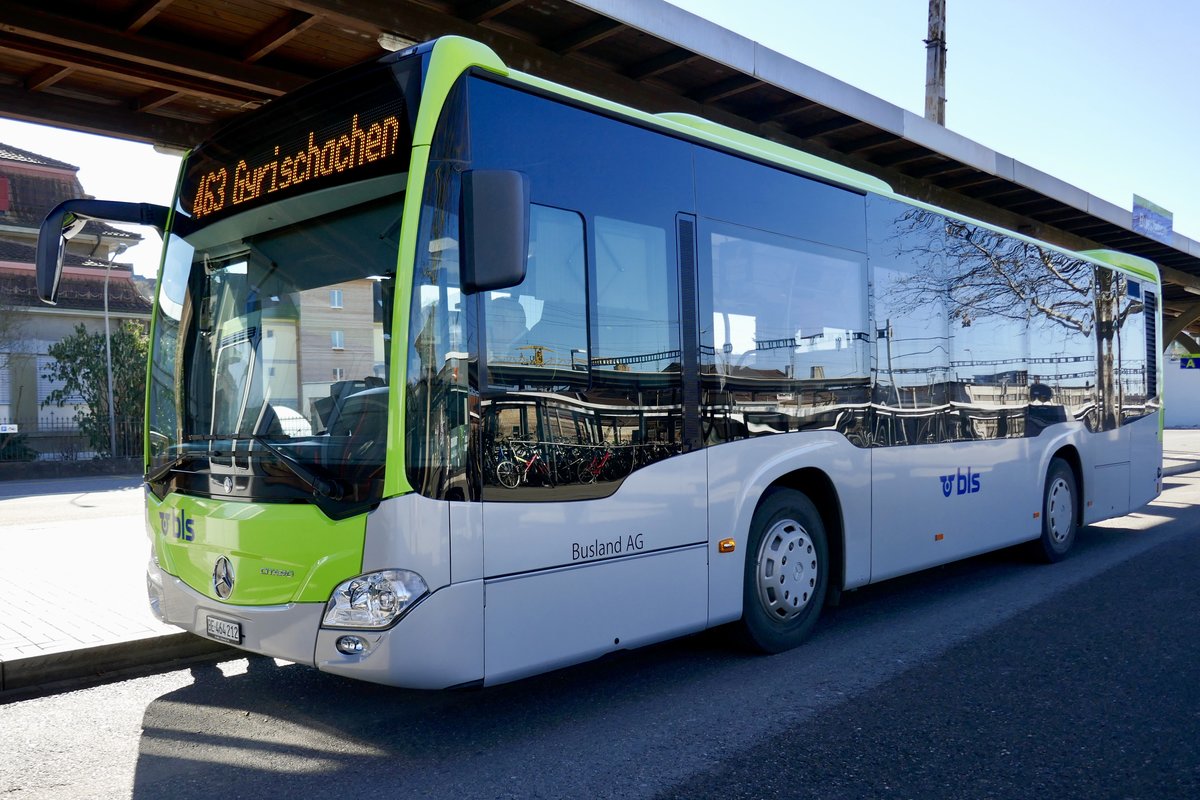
(281, 553)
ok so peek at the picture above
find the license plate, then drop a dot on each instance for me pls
(224, 630)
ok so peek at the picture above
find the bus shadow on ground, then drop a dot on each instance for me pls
(279, 728)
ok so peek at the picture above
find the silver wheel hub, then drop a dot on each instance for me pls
(1060, 511)
(786, 570)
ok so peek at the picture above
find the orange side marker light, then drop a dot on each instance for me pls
(726, 546)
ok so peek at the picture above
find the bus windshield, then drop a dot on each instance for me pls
(268, 376)
(269, 364)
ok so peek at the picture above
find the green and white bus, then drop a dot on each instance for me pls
(459, 376)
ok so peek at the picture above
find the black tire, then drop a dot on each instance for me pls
(786, 574)
(1060, 513)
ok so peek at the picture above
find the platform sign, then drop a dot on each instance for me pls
(1152, 220)
(1191, 361)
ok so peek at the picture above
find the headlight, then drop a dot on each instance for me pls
(375, 600)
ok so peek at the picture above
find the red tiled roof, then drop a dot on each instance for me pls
(21, 253)
(31, 196)
(75, 293)
(10, 153)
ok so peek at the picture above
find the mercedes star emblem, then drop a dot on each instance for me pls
(223, 577)
(229, 486)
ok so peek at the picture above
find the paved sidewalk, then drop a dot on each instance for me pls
(1181, 450)
(72, 583)
(73, 606)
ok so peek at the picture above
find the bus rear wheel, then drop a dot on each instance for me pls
(1060, 513)
(787, 571)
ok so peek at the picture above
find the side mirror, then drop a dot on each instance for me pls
(495, 229)
(67, 219)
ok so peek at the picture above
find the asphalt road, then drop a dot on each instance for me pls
(989, 678)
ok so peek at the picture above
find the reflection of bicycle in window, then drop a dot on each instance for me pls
(525, 464)
(651, 452)
(590, 469)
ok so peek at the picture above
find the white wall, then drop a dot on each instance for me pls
(1181, 394)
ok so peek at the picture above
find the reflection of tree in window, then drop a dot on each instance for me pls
(984, 276)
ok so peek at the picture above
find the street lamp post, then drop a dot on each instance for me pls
(112, 418)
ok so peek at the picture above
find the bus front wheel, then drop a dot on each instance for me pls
(1060, 513)
(787, 571)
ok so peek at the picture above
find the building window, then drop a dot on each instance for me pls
(335, 298)
(45, 385)
(337, 340)
(339, 374)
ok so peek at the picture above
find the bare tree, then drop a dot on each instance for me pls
(980, 273)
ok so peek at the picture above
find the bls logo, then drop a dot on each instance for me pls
(177, 524)
(960, 483)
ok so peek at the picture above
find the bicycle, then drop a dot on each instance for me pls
(514, 471)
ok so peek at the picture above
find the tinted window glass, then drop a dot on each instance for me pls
(440, 344)
(1132, 353)
(745, 193)
(952, 308)
(605, 400)
(789, 341)
(537, 331)
(637, 303)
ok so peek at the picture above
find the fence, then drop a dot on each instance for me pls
(51, 439)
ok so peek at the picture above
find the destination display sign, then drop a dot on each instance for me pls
(225, 188)
(356, 128)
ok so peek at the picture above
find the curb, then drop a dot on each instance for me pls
(40, 673)
(1180, 469)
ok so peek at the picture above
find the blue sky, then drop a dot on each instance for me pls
(1099, 93)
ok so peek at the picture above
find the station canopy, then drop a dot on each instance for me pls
(170, 72)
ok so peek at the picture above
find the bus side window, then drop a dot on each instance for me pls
(790, 333)
(536, 334)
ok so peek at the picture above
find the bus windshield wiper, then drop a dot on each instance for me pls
(163, 470)
(326, 487)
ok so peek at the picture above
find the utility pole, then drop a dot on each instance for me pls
(935, 64)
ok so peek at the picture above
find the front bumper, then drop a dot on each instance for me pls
(436, 645)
